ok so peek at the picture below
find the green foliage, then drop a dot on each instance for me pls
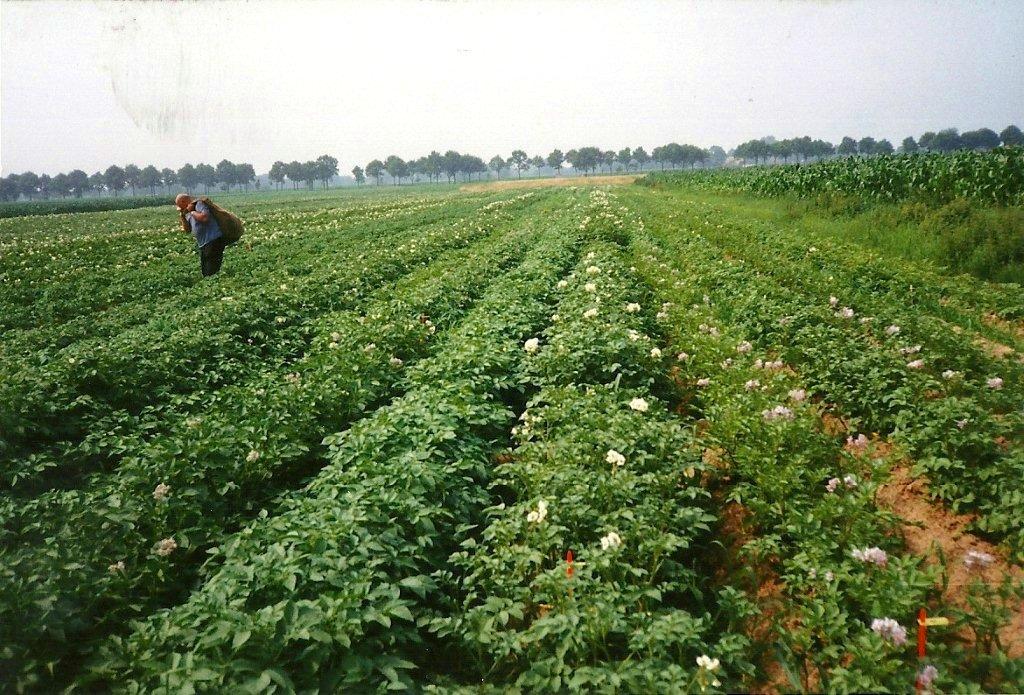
(995, 176)
(357, 460)
(76, 205)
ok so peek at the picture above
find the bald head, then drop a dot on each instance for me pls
(182, 201)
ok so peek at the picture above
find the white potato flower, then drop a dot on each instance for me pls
(166, 546)
(615, 458)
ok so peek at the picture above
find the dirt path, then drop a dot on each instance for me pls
(554, 181)
(930, 525)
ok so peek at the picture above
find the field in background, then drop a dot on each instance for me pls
(547, 436)
(557, 181)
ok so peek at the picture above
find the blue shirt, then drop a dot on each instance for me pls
(204, 232)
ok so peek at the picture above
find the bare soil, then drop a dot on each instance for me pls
(929, 526)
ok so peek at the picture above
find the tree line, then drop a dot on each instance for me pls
(948, 140)
(115, 179)
(451, 165)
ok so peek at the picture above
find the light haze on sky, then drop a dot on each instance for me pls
(89, 84)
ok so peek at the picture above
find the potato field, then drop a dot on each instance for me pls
(578, 438)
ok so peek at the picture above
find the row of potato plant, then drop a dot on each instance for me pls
(325, 593)
(841, 275)
(962, 429)
(809, 526)
(93, 387)
(88, 307)
(173, 496)
(604, 469)
(59, 269)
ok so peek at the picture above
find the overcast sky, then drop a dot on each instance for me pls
(89, 84)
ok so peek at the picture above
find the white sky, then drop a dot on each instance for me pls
(89, 84)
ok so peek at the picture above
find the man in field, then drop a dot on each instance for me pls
(197, 217)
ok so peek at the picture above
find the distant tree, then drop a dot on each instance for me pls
(357, 174)
(1011, 136)
(113, 177)
(423, 167)
(9, 187)
(413, 167)
(625, 158)
(781, 149)
(555, 160)
(207, 176)
(883, 147)
(716, 155)
(326, 169)
(188, 177)
(435, 165)
(78, 182)
(588, 159)
(847, 146)
(450, 164)
(497, 164)
(518, 161)
(45, 186)
(397, 168)
(244, 174)
(375, 169)
(310, 173)
(866, 146)
(132, 176)
(472, 164)
(947, 140)
(694, 155)
(926, 140)
(294, 171)
(641, 157)
(537, 163)
(150, 178)
(97, 182)
(822, 149)
(982, 139)
(60, 185)
(278, 173)
(168, 177)
(226, 173)
(757, 150)
(909, 145)
(607, 159)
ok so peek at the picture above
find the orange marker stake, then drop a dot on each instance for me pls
(569, 569)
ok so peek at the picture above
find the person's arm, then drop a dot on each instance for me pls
(202, 215)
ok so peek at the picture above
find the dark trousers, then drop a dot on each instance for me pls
(211, 256)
